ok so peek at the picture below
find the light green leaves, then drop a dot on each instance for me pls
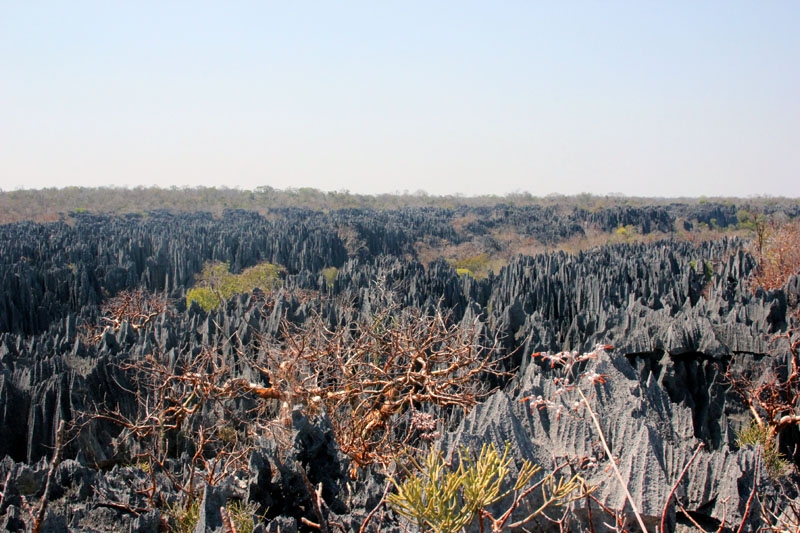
(437, 497)
(216, 284)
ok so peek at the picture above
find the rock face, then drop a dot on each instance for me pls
(678, 315)
(651, 437)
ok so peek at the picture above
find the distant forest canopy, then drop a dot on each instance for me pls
(52, 204)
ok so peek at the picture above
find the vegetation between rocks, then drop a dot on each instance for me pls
(216, 284)
(384, 380)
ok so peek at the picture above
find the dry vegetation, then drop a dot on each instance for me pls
(136, 308)
(52, 204)
(777, 248)
(387, 382)
(384, 382)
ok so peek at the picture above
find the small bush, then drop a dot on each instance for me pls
(264, 276)
(242, 515)
(706, 266)
(216, 284)
(761, 435)
(477, 266)
(205, 298)
(184, 517)
(777, 249)
(772, 400)
(627, 233)
(445, 499)
(330, 274)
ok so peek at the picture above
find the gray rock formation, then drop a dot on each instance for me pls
(678, 314)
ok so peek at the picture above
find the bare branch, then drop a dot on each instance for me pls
(38, 516)
(675, 487)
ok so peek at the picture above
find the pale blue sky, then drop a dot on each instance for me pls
(640, 98)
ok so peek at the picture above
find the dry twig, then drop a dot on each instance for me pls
(675, 487)
(39, 514)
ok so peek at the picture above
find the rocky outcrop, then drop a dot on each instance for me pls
(678, 315)
(651, 437)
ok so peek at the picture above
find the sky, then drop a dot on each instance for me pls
(638, 98)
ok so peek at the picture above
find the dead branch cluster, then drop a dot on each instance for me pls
(383, 382)
(37, 513)
(777, 250)
(773, 397)
(376, 378)
(571, 374)
(192, 406)
(137, 308)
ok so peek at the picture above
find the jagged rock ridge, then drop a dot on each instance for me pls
(677, 314)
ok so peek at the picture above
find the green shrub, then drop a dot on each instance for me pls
(761, 435)
(477, 266)
(242, 515)
(474, 263)
(216, 284)
(708, 269)
(184, 516)
(330, 274)
(626, 233)
(438, 497)
(444, 499)
(204, 296)
(264, 276)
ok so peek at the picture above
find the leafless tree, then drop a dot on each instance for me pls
(373, 376)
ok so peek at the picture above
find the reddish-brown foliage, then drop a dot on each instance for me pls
(778, 252)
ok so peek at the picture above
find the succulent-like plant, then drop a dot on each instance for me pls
(441, 498)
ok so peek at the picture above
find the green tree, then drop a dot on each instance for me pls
(215, 283)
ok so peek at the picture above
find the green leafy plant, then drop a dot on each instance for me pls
(438, 497)
(204, 296)
(184, 515)
(760, 435)
(330, 274)
(242, 515)
(477, 266)
(626, 233)
(216, 283)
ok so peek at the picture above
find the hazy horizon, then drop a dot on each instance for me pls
(649, 100)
